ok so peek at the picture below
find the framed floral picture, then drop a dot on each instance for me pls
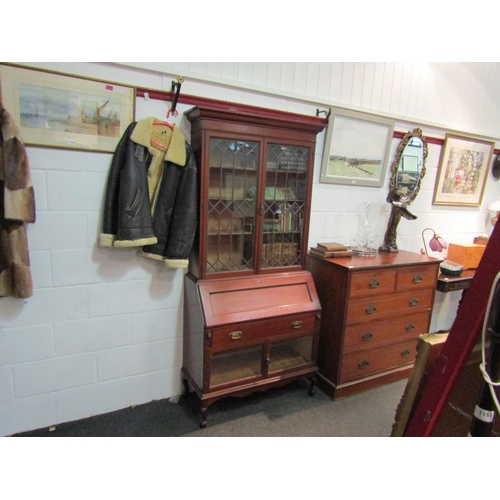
(63, 111)
(356, 148)
(463, 170)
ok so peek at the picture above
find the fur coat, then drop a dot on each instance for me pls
(17, 206)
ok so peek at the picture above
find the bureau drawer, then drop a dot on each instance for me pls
(373, 282)
(367, 335)
(238, 335)
(388, 306)
(362, 364)
(417, 277)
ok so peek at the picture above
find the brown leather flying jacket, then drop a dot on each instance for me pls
(151, 198)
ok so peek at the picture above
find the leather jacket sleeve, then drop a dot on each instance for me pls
(175, 218)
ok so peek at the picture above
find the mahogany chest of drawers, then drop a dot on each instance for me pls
(373, 309)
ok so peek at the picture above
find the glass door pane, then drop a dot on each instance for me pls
(290, 353)
(231, 206)
(284, 205)
(235, 365)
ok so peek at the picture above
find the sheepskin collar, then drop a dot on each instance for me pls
(171, 140)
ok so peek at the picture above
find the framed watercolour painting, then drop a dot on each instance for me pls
(63, 111)
(356, 148)
(462, 172)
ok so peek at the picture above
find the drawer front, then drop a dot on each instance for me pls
(413, 278)
(239, 335)
(368, 335)
(372, 282)
(364, 363)
(387, 306)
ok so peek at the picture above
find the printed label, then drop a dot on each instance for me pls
(484, 415)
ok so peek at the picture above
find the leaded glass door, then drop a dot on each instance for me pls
(284, 205)
(233, 166)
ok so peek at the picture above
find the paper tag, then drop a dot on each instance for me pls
(484, 415)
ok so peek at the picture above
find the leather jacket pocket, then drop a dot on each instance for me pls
(136, 203)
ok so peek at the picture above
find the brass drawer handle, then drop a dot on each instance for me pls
(409, 327)
(374, 283)
(370, 309)
(367, 336)
(235, 335)
(363, 364)
(296, 324)
(417, 278)
(405, 353)
(413, 302)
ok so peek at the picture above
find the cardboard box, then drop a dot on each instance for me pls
(466, 255)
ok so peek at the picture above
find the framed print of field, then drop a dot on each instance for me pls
(356, 148)
(63, 111)
(462, 172)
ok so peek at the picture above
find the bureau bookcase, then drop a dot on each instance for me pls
(251, 310)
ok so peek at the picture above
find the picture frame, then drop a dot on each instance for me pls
(462, 172)
(59, 110)
(356, 148)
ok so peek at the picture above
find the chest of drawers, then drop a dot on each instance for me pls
(373, 309)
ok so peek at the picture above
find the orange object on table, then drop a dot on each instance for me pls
(468, 256)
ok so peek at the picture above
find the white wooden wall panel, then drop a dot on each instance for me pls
(387, 86)
(312, 79)
(300, 78)
(287, 76)
(201, 67)
(274, 76)
(421, 92)
(214, 69)
(357, 83)
(245, 72)
(336, 83)
(230, 70)
(457, 96)
(367, 91)
(260, 74)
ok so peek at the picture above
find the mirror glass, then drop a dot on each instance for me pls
(408, 168)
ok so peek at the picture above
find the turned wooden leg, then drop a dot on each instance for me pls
(185, 382)
(204, 410)
(312, 390)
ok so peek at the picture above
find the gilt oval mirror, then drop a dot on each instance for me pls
(408, 168)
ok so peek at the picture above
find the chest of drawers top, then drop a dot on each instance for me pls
(383, 260)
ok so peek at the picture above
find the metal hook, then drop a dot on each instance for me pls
(176, 87)
(327, 113)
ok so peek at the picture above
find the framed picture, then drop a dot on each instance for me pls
(462, 172)
(356, 148)
(63, 111)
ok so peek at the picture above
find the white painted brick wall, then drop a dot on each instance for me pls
(103, 329)
(22, 345)
(21, 414)
(139, 358)
(94, 399)
(92, 335)
(55, 374)
(6, 384)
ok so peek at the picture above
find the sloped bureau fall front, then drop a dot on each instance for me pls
(373, 309)
(251, 311)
